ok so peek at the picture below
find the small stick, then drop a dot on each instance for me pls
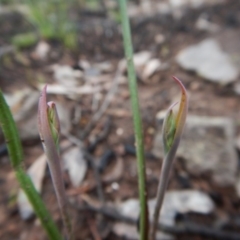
(89, 158)
(97, 177)
(108, 99)
(93, 230)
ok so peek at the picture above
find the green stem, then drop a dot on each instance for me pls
(16, 156)
(136, 120)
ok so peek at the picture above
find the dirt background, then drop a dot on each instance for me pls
(100, 40)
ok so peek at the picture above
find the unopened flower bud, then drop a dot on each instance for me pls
(169, 129)
(53, 122)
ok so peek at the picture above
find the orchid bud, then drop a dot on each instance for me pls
(169, 129)
(174, 123)
(53, 121)
(172, 130)
(49, 130)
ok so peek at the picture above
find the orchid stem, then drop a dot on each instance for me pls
(172, 131)
(49, 130)
(16, 156)
(162, 186)
(136, 120)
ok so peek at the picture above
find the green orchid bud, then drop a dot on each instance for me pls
(173, 124)
(169, 129)
(172, 130)
(49, 130)
(53, 121)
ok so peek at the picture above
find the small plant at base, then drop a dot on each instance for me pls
(49, 130)
(16, 156)
(172, 131)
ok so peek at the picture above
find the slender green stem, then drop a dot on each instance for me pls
(16, 156)
(136, 120)
(162, 186)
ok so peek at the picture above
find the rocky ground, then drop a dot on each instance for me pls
(197, 41)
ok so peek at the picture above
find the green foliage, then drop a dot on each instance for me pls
(52, 20)
(24, 40)
(114, 14)
(92, 4)
(7, 2)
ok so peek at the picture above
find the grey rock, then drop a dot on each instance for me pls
(204, 24)
(207, 145)
(192, 3)
(236, 88)
(237, 185)
(209, 61)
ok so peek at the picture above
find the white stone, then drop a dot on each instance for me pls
(67, 76)
(209, 61)
(151, 67)
(42, 50)
(141, 58)
(192, 3)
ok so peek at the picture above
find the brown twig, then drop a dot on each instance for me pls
(103, 134)
(90, 159)
(98, 180)
(93, 229)
(108, 99)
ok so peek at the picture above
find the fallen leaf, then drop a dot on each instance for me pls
(75, 164)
